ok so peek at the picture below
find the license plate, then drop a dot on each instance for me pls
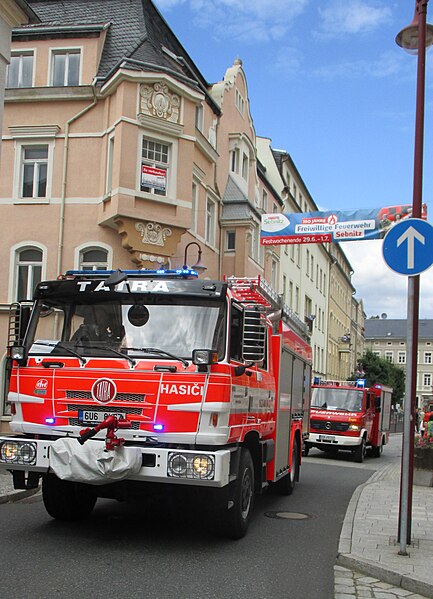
(94, 417)
(326, 438)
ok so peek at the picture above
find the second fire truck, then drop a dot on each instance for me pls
(207, 382)
(349, 416)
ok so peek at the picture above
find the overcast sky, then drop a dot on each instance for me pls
(328, 84)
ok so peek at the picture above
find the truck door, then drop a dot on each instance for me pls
(370, 413)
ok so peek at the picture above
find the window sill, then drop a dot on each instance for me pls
(31, 200)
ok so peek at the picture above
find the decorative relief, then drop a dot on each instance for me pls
(158, 101)
(153, 233)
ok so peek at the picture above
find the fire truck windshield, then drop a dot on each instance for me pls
(337, 398)
(173, 328)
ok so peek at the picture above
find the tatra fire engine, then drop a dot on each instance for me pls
(207, 382)
(347, 415)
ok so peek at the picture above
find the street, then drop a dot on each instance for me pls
(123, 551)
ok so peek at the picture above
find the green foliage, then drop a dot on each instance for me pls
(378, 370)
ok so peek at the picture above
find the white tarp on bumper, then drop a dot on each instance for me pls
(92, 463)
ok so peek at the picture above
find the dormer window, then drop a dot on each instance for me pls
(65, 67)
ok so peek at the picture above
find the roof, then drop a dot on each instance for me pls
(236, 205)
(388, 328)
(136, 31)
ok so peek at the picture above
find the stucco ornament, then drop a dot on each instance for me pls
(157, 100)
(153, 233)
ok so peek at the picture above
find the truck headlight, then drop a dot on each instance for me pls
(190, 465)
(18, 452)
(354, 427)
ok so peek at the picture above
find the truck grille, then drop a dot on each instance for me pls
(136, 397)
(327, 425)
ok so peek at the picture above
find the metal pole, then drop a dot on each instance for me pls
(406, 485)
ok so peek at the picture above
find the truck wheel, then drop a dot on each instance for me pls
(359, 453)
(234, 521)
(306, 450)
(66, 500)
(376, 452)
(286, 485)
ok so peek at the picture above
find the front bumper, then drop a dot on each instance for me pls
(337, 441)
(159, 464)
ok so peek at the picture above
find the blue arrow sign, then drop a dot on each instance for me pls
(408, 246)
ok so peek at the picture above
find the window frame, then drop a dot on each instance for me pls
(67, 51)
(210, 221)
(15, 251)
(19, 54)
(20, 147)
(157, 164)
(93, 245)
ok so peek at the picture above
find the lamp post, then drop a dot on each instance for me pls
(199, 266)
(414, 38)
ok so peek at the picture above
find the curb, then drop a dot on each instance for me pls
(345, 559)
(17, 495)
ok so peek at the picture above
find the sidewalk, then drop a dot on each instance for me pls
(368, 543)
(8, 493)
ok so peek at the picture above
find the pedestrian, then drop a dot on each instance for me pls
(429, 427)
(417, 420)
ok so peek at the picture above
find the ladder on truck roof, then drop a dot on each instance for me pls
(259, 291)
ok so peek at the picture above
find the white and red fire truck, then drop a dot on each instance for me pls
(208, 382)
(349, 416)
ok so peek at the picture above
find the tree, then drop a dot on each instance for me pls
(378, 370)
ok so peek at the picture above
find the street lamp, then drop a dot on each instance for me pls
(199, 266)
(414, 38)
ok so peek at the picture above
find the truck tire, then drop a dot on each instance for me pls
(234, 521)
(376, 452)
(359, 453)
(306, 450)
(66, 500)
(286, 485)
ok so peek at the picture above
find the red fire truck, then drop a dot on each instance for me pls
(208, 383)
(349, 416)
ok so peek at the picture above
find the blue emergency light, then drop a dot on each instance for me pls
(161, 272)
(360, 383)
(158, 427)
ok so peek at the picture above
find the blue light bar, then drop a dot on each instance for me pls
(360, 383)
(173, 272)
(158, 427)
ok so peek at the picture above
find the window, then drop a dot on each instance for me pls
(245, 162)
(274, 273)
(110, 155)
(154, 167)
(296, 306)
(234, 160)
(20, 70)
(284, 288)
(240, 102)
(210, 221)
(264, 200)
(28, 272)
(199, 117)
(34, 165)
(65, 67)
(402, 357)
(426, 379)
(194, 206)
(389, 356)
(93, 259)
(231, 241)
(308, 263)
(427, 357)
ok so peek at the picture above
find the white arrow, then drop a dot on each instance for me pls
(410, 235)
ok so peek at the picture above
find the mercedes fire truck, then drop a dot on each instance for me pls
(207, 382)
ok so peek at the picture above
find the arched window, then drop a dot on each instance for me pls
(93, 259)
(28, 272)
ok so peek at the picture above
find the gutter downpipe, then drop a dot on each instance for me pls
(64, 179)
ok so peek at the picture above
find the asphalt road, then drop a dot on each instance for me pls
(124, 552)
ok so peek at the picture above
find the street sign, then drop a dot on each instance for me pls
(408, 246)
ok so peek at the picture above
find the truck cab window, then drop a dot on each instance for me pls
(236, 333)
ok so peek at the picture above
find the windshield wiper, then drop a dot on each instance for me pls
(111, 349)
(159, 352)
(60, 345)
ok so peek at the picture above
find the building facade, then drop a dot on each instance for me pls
(386, 338)
(117, 153)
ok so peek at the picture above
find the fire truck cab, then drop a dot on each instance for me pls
(207, 381)
(347, 415)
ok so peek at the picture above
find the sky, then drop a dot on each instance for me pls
(328, 84)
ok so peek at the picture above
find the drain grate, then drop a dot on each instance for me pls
(289, 515)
